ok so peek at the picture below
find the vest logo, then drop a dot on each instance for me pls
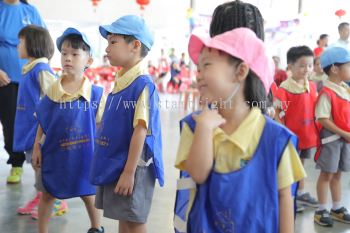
(223, 221)
(21, 108)
(75, 140)
(102, 141)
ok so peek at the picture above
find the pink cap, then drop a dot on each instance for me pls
(241, 43)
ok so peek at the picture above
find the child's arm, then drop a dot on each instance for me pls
(286, 216)
(125, 183)
(201, 156)
(328, 124)
(36, 157)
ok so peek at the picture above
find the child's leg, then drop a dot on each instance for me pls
(301, 182)
(93, 213)
(322, 188)
(133, 227)
(123, 228)
(335, 186)
(44, 211)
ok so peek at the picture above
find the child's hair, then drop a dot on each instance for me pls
(294, 53)
(235, 14)
(77, 42)
(38, 41)
(327, 69)
(24, 1)
(254, 90)
(342, 25)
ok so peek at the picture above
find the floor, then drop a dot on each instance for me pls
(160, 219)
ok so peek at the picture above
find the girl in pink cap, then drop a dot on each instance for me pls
(240, 163)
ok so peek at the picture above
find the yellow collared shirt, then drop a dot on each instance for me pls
(294, 87)
(323, 106)
(46, 79)
(122, 81)
(231, 152)
(57, 94)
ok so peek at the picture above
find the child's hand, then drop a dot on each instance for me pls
(125, 184)
(36, 157)
(209, 118)
(347, 137)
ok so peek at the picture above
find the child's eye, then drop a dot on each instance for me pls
(75, 54)
(113, 41)
(206, 64)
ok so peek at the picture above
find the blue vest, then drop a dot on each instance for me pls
(27, 100)
(114, 134)
(68, 148)
(249, 205)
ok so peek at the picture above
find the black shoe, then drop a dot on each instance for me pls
(95, 230)
(323, 218)
(341, 215)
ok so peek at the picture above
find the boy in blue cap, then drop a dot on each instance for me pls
(128, 150)
(67, 117)
(333, 114)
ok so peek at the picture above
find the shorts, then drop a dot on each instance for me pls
(334, 155)
(134, 208)
(307, 153)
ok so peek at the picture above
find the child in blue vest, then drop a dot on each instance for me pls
(333, 113)
(128, 152)
(64, 141)
(36, 45)
(241, 164)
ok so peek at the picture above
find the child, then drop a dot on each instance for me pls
(333, 114)
(67, 119)
(224, 150)
(295, 103)
(128, 154)
(318, 76)
(36, 45)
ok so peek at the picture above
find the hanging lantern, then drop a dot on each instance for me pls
(340, 13)
(143, 3)
(95, 4)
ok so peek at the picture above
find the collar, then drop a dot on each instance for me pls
(29, 66)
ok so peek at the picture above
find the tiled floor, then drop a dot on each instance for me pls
(160, 220)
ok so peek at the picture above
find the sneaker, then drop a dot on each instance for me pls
(95, 230)
(60, 208)
(341, 215)
(30, 206)
(15, 175)
(306, 200)
(323, 218)
(300, 208)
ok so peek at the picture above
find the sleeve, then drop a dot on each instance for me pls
(186, 139)
(46, 79)
(142, 108)
(290, 168)
(323, 107)
(38, 20)
(101, 109)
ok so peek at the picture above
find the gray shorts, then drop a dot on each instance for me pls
(134, 208)
(334, 155)
(39, 182)
(28, 155)
(307, 153)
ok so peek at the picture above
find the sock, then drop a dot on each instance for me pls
(300, 192)
(336, 205)
(322, 207)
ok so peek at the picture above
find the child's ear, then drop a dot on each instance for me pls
(334, 69)
(90, 61)
(136, 45)
(242, 71)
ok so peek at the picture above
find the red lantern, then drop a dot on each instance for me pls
(143, 3)
(340, 13)
(95, 2)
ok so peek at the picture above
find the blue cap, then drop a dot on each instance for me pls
(334, 55)
(130, 25)
(72, 31)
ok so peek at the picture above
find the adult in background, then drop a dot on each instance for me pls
(343, 41)
(14, 15)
